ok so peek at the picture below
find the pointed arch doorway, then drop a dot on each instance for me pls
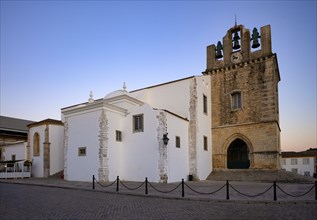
(238, 155)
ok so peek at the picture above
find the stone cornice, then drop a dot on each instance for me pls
(46, 122)
(244, 124)
(93, 107)
(240, 65)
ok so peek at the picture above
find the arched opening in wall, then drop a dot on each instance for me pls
(238, 155)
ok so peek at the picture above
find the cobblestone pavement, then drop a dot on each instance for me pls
(22, 201)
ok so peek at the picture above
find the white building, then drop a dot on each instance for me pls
(122, 134)
(303, 163)
(46, 147)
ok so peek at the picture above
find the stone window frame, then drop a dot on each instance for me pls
(118, 136)
(138, 123)
(177, 142)
(236, 106)
(205, 141)
(36, 144)
(205, 104)
(82, 151)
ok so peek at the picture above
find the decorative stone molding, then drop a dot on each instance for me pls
(46, 153)
(103, 171)
(162, 162)
(65, 147)
(192, 129)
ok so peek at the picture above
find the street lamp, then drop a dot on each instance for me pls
(165, 139)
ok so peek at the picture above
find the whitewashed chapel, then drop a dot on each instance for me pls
(122, 134)
(227, 118)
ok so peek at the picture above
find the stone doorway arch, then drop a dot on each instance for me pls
(238, 155)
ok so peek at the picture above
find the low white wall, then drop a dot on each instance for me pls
(18, 149)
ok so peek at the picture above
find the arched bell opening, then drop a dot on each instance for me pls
(238, 155)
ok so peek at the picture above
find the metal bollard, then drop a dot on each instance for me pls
(93, 181)
(274, 190)
(117, 190)
(227, 184)
(146, 191)
(315, 190)
(183, 191)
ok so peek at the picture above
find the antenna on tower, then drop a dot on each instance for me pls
(235, 20)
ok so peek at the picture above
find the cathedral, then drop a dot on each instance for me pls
(226, 118)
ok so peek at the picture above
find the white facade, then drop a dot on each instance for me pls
(16, 151)
(301, 165)
(51, 134)
(177, 108)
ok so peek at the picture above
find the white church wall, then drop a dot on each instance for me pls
(170, 96)
(37, 161)
(83, 132)
(140, 149)
(178, 159)
(204, 163)
(56, 137)
(115, 147)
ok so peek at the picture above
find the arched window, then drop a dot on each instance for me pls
(36, 144)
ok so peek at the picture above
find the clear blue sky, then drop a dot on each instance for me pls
(53, 53)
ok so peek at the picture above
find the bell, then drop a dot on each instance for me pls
(218, 50)
(236, 39)
(255, 37)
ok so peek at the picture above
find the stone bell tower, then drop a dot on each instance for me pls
(244, 94)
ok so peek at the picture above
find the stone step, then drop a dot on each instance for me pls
(259, 176)
(58, 175)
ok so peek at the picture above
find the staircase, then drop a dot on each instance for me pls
(58, 175)
(259, 176)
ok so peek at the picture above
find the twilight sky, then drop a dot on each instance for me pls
(53, 53)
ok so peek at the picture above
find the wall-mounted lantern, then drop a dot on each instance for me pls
(165, 139)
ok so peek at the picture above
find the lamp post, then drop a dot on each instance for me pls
(165, 139)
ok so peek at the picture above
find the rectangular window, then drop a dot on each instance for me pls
(138, 123)
(118, 136)
(283, 161)
(13, 157)
(205, 143)
(294, 170)
(236, 100)
(205, 104)
(306, 161)
(178, 142)
(293, 161)
(81, 151)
